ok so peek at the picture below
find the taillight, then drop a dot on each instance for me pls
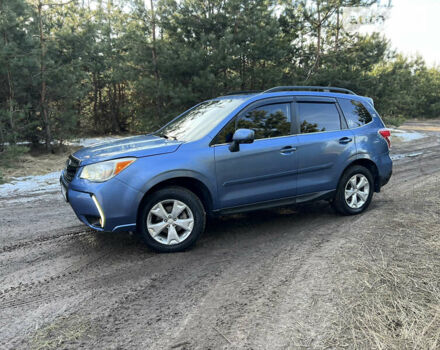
(385, 133)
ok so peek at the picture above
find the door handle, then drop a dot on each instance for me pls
(287, 150)
(345, 140)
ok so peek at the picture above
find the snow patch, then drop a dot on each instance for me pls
(405, 155)
(31, 185)
(405, 135)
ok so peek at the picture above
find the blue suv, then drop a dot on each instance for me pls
(232, 154)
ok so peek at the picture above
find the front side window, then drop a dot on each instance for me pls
(318, 117)
(267, 121)
(355, 113)
(199, 121)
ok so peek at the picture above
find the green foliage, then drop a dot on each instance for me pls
(394, 121)
(10, 154)
(115, 67)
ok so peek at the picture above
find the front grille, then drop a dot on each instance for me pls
(72, 165)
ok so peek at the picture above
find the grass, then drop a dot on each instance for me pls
(59, 333)
(11, 153)
(9, 157)
(395, 303)
(16, 161)
(394, 121)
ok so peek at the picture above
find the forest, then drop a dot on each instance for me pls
(93, 67)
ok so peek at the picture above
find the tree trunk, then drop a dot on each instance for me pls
(114, 108)
(243, 72)
(43, 102)
(338, 27)
(154, 57)
(318, 44)
(2, 139)
(318, 40)
(95, 102)
(102, 121)
(252, 68)
(10, 99)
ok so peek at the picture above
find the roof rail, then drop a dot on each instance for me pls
(310, 88)
(244, 92)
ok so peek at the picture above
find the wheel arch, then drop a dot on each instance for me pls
(370, 165)
(191, 183)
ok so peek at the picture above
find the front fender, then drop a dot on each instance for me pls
(178, 174)
(172, 174)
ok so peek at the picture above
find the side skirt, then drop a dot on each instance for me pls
(309, 197)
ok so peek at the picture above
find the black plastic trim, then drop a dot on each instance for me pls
(276, 202)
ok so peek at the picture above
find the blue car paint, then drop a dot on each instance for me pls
(320, 172)
(136, 146)
(260, 164)
(263, 171)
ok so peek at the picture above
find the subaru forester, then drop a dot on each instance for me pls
(235, 153)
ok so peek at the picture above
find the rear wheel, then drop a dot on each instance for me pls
(354, 192)
(171, 219)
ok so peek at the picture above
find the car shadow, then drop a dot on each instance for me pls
(221, 230)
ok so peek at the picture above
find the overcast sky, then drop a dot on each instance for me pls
(413, 27)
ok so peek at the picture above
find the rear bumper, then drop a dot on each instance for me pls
(108, 206)
(385, 169)
(384, 180)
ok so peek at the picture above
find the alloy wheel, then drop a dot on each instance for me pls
(170, 222)
(357, 191)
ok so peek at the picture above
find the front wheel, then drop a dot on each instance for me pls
(355, 191)
(171, 220)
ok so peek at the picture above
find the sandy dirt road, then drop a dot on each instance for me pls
(266, 280)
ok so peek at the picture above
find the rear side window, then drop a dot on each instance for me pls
(267, 121)
(318, 117)
(355, 113)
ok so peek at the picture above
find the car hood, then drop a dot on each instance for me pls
(135, 146)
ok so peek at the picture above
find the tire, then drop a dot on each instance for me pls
(351, 205)
(185, 219)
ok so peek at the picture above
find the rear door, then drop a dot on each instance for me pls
(325, 144)
(265, 169)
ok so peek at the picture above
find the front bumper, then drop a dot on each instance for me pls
(107, 206)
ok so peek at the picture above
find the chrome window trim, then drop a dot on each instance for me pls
(267, 138)
(321, 132)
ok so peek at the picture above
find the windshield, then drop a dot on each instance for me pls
(199, 121)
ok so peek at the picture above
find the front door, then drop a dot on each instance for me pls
(263, 170)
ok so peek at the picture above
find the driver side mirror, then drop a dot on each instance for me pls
(241, 136)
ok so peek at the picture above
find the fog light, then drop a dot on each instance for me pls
(101, 212)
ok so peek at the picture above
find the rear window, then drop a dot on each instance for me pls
(318, 117)
(355, 113)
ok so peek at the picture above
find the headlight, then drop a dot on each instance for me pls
(104, 171)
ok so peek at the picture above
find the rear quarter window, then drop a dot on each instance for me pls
(355, 113)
